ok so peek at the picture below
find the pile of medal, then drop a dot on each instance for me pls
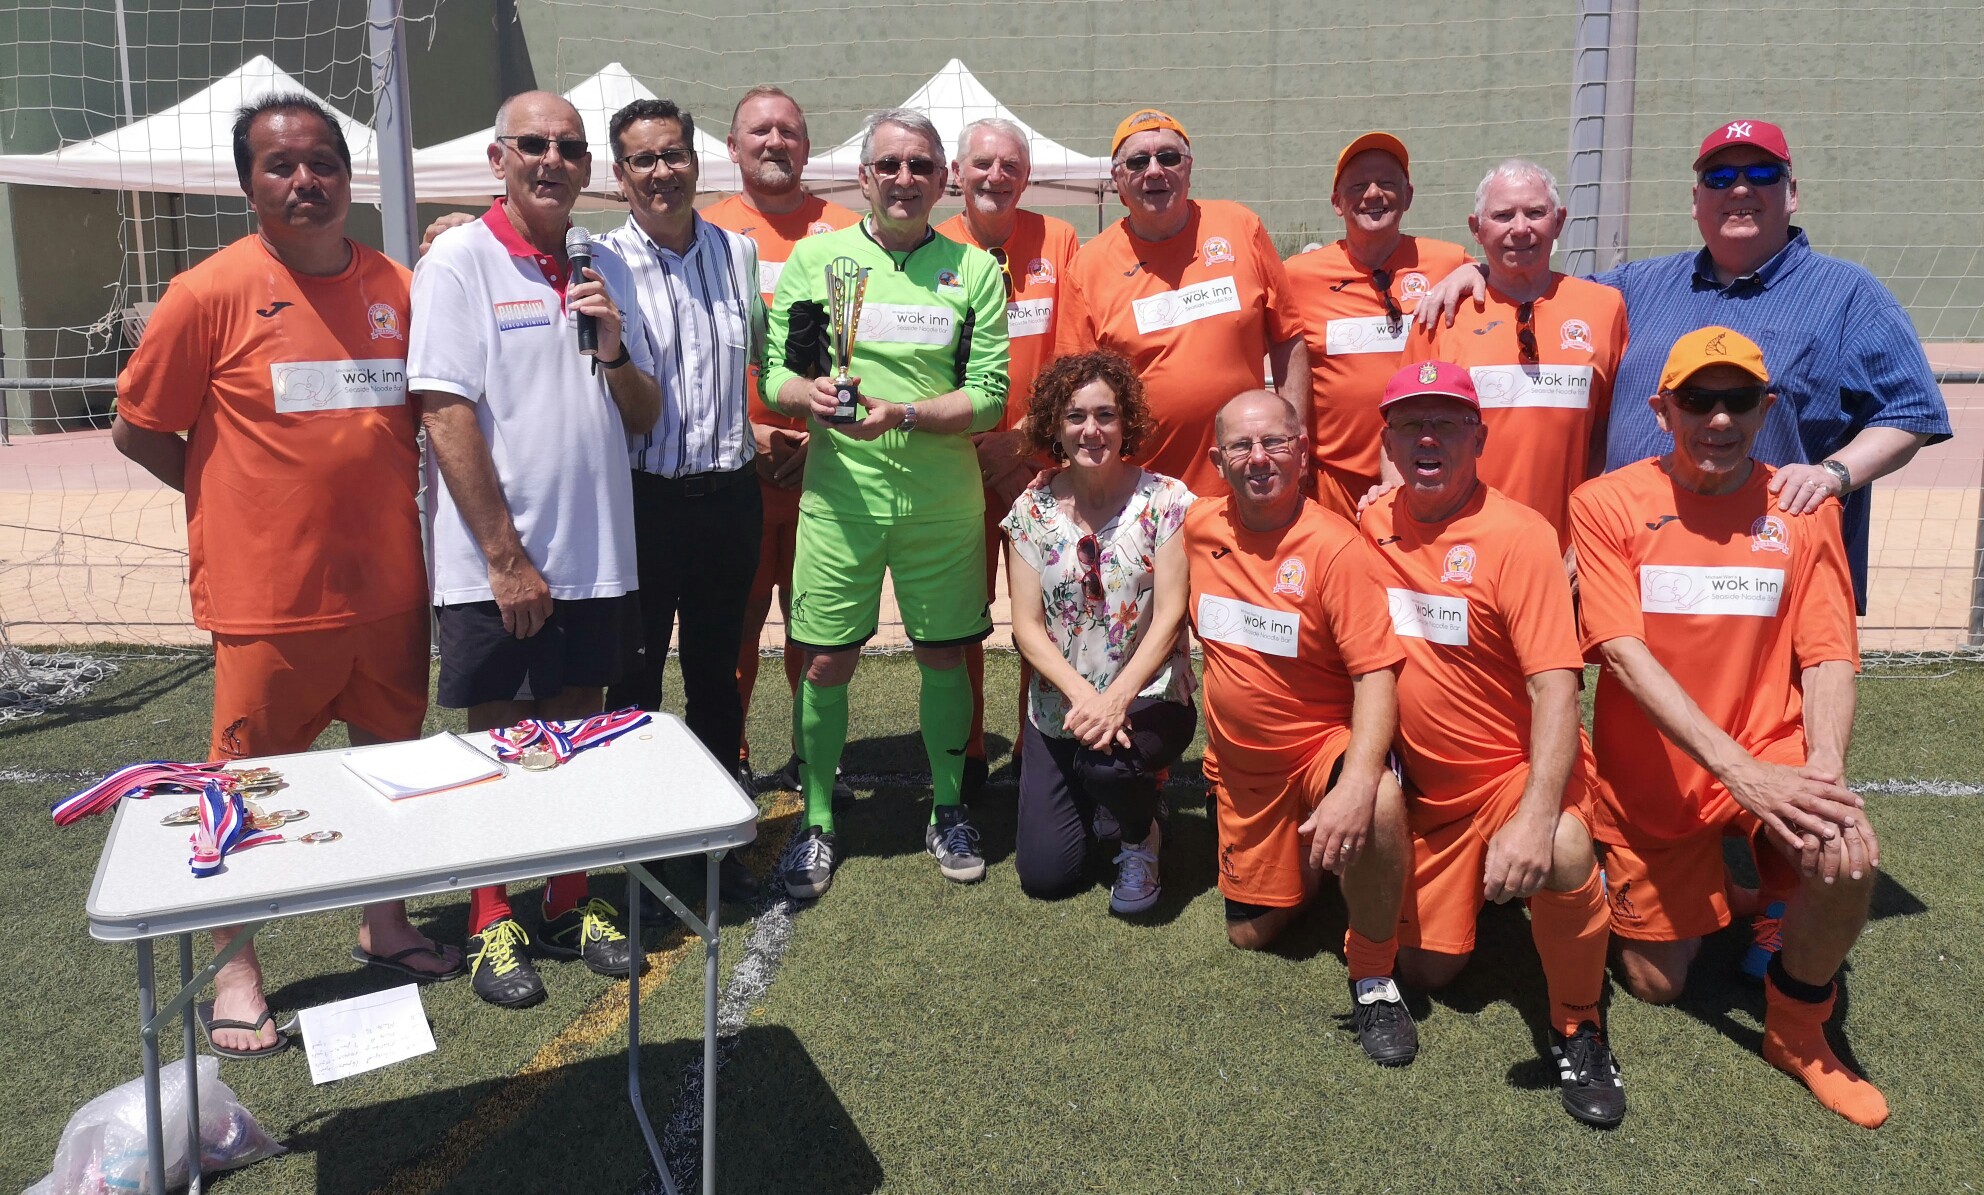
(252, 783)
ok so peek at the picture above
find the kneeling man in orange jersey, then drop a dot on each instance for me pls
(1497, 775)
(1301, 703)
(1685, 561)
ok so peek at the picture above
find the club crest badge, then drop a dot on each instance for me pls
(1428, 374)
(1217, 250)
(1040, 271)
(1458, 568)
(384, 321)
(1575, 334)
(1413, 286)
(1768, 534)
(818, 227)
(948, 278)
(1292, 578)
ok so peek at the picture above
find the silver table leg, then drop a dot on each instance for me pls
(196, 1182)
(148, 1044)
(638, 876)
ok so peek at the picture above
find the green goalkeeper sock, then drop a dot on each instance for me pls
(819, 731)
(945, 708)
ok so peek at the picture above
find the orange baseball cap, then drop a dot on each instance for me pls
(1708, 346)
(1374, 140)
(1743, 131)
(1143, 120)
(1439, 378)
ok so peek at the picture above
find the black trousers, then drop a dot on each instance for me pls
(696, 542)
(1063, 782)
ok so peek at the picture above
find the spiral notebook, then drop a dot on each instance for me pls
(422, 766)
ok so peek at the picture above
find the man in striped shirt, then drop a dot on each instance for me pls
(697, 511)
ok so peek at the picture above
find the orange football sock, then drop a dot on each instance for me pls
(1572, 931)
(1368, 959)
(1795, 1043)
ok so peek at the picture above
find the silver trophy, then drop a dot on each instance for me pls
(847, 284)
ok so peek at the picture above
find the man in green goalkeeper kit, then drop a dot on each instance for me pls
(897, 489)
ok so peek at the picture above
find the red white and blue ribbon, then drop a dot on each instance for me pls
(563, 740)
(137, 780)
(223, 828)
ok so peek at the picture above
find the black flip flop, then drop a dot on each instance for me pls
(396, 962)
(208, 1024)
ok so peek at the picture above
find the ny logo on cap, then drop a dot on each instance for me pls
(1428, 374)
(1740, 129)
(1714, 346)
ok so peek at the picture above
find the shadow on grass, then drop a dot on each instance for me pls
(111, 700)
(777, 1119)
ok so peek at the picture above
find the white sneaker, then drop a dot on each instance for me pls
(1137, 886)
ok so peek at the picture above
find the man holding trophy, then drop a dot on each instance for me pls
(891, 341)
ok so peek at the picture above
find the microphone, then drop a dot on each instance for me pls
(578, 248)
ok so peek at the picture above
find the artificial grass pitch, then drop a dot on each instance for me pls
(924, 1036)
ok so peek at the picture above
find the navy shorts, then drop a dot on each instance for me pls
(585, 644)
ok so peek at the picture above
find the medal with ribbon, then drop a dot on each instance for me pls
(223, 828)
(538, 745)
(139, 780)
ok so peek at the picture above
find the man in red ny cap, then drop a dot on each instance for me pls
(1858, 398)
(1354, 299)
(1497, 776)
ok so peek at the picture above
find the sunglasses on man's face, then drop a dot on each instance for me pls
(891, 166)
(1757, 174)
(533, 145)
(1700, 400)
(1138, 163)
(1526, 333)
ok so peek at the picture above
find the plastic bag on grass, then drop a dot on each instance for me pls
(103, 1148)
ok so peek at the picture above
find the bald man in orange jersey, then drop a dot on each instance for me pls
(1686, 558)
(1496, 773)
(768, 141)
(1300, 697)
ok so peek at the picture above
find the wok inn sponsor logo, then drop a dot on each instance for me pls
(1433, 617)
(1243, 624)
(304, 386)
(1711, 590)
(1187, 304)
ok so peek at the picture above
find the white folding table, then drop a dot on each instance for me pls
(654, 793)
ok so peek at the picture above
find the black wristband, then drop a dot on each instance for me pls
(617, 362)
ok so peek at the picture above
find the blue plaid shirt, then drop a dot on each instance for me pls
(1841, 351)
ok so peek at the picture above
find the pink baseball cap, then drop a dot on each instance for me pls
(1441, 378)
(1742, 131)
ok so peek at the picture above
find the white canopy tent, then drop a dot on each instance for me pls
(952, 99)
(458, 171)
(186, 149)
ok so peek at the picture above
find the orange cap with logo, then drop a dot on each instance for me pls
(1143, 120)
(1708, 346)
(1374, 140)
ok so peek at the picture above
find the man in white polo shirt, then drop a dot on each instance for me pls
(532, 521)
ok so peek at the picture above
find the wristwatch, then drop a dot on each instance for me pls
(1838, 470)
(909, 416)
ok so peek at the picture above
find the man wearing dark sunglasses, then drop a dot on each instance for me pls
(898, 491)
(1726, 630)
(1859, 397)
(1192, 292)
(1543, 349)
(991, 172)
(1353, 298)
(532, 522)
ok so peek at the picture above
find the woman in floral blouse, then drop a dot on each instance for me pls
(1097, 570)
